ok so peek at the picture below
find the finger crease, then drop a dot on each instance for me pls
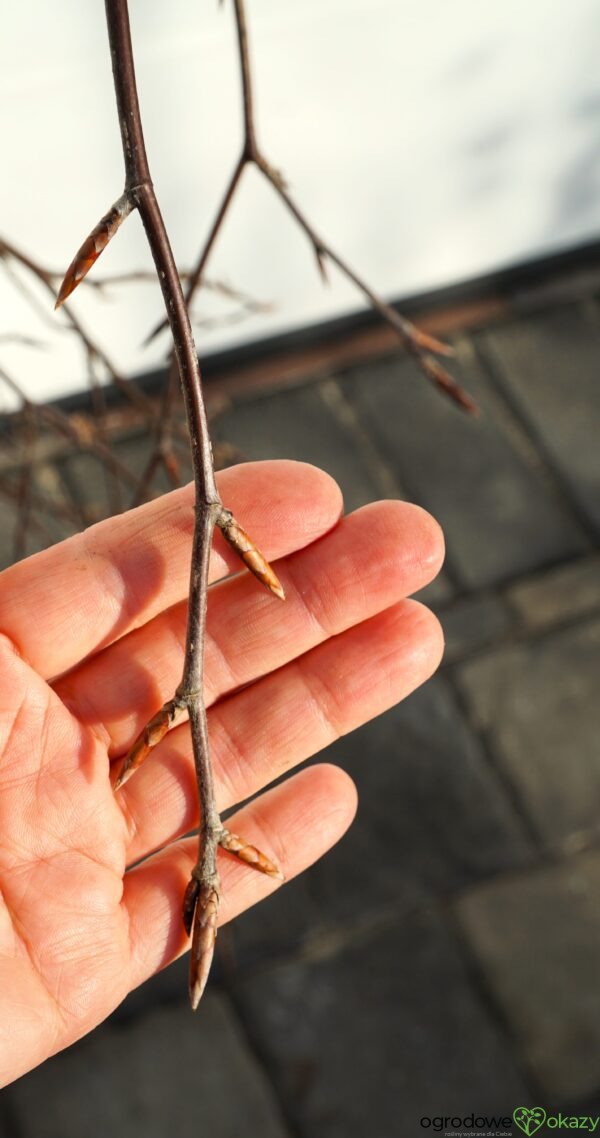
(321, 698)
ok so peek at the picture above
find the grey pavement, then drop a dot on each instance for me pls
(445, 957)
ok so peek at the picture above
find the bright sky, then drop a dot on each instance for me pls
(428, 142)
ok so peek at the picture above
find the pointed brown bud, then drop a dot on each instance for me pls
(251, 556)
(447, 384)
(169, 715)
(203, 940)
(250, 854)
(414, 339)
(92, 247)
(429, 343)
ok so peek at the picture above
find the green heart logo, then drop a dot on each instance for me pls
(529, 1120)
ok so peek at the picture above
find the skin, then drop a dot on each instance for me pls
(91, 644)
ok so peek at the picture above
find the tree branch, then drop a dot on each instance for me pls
(202, 896)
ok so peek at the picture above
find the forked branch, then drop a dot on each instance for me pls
(418, 343)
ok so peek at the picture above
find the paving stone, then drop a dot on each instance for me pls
(167, 1073)
(167, 986)
(472, 623)
(300, 424)
(372, 1039)
(479, 477)
(537, 940)
(170, 985)
(549, 364)
(558, 595)
(431, 818)
(538, 703)
(438, 590)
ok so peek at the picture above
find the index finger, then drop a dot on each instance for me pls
(67, 602)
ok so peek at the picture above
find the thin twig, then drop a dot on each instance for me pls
(75, 515)
(25, 495)
(94, 351)
(78, 429)
(162, 453)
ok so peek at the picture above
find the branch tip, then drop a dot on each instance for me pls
(442, 379)
(154, 731)
(249, 854)
(429, 343)
(203, 940)
(92, 247)
(245, 548)
(321, 264)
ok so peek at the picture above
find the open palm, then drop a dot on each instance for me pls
(91, 644)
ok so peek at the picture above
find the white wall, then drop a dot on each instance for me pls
(429, 141)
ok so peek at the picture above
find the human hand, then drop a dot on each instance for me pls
(91, 644)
